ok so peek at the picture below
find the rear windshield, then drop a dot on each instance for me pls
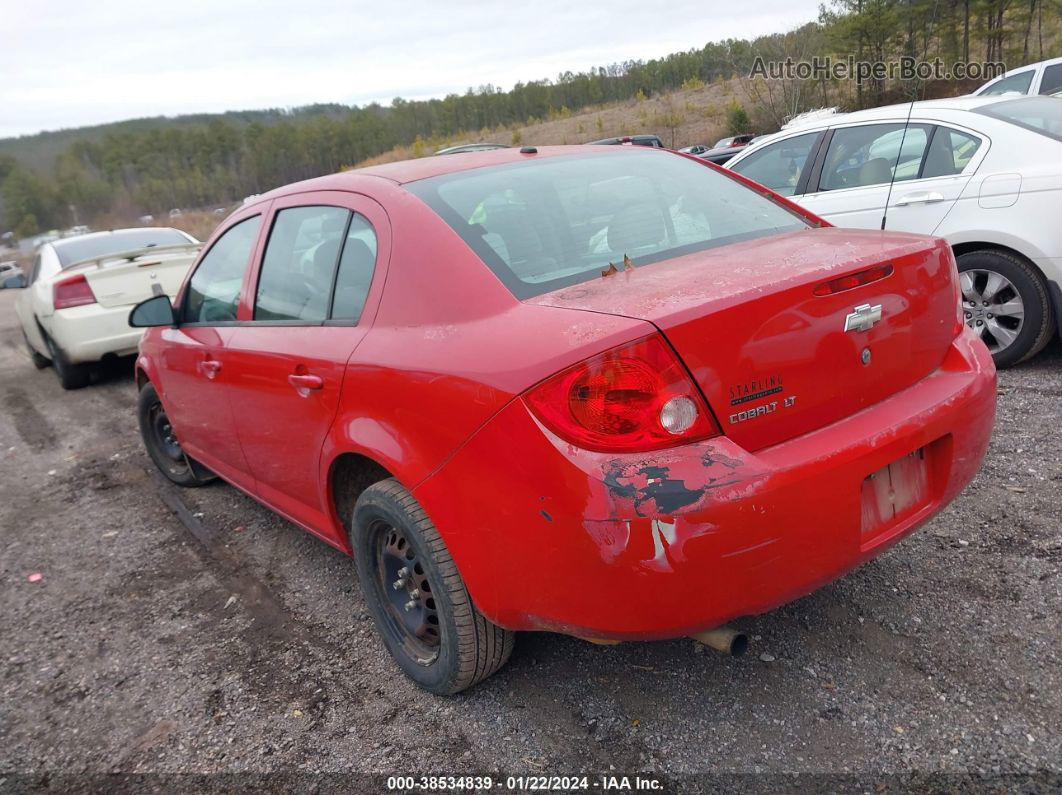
(545, 224)
(1039, 114)
(77, 249)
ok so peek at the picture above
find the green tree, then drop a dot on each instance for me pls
(737, 119)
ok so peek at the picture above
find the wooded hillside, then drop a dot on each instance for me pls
(122, 170)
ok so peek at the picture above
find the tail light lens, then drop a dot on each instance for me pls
(632, 398)
(74, 291)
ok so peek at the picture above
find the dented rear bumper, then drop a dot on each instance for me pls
(642, 546)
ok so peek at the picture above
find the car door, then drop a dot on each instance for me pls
(951, 157)
(300, 325)
(193, 372)
(850, 182)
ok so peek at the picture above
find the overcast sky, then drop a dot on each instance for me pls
(71, 63)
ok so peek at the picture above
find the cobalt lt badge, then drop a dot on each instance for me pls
(862, 318)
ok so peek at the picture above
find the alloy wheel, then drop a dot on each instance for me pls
(992, 307)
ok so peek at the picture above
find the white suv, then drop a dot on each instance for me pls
(985, 173)
(1044, 77)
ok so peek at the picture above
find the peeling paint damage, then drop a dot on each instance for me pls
(645, 510)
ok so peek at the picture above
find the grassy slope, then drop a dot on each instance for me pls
(699, 117)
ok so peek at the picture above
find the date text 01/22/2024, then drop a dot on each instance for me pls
(604, 783)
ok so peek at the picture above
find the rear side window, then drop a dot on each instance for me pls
(949, 152)
(1019, 82)
(295, 283)
(547, 223)
(873, 154)
(1038, 114)
(778, 166)
(214, 290)
(356, 265)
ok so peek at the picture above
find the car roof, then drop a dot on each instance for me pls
(964, 103)
(405, 171)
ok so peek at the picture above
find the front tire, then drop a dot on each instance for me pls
(1006, 302)
(427, 621)
(71, 376)
(162, 444)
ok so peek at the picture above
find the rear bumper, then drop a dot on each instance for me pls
(88, 333)
(665, 544)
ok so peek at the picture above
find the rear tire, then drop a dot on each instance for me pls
(442, 643)
(1015, 286)
(39, 361)
(71, 376)
(162, 444)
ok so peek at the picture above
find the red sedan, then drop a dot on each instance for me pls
(610, 392)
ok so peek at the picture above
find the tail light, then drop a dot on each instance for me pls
(74, 291)
(632, 398)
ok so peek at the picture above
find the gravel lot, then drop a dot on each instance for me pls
(194, 632)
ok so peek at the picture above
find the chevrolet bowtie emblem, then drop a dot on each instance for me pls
(862, 318)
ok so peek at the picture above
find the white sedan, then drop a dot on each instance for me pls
(985, 173)
(75, 310)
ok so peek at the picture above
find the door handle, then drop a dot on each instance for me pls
(305, 382)
(922, 197)
(210, 367)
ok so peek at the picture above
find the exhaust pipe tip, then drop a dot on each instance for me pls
(724, 639)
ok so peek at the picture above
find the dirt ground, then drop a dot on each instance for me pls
(192, 640)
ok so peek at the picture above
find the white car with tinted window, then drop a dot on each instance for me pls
(985, 173)
(75, 310)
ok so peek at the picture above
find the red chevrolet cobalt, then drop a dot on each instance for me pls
(610, 392)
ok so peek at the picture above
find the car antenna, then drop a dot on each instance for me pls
(896, 165)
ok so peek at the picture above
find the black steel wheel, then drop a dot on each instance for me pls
(160, 440)
(416, 596)
(410, 608)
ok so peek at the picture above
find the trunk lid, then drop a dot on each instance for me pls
(773, 358)
(124, 281)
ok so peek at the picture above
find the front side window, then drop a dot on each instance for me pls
(214, 290)
(299, 262)
(548, 223)
(778, 166)
(950, 151)
(1019, 83)
(873, 154)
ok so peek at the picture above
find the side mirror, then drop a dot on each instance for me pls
(14, 282)
(155, 311)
